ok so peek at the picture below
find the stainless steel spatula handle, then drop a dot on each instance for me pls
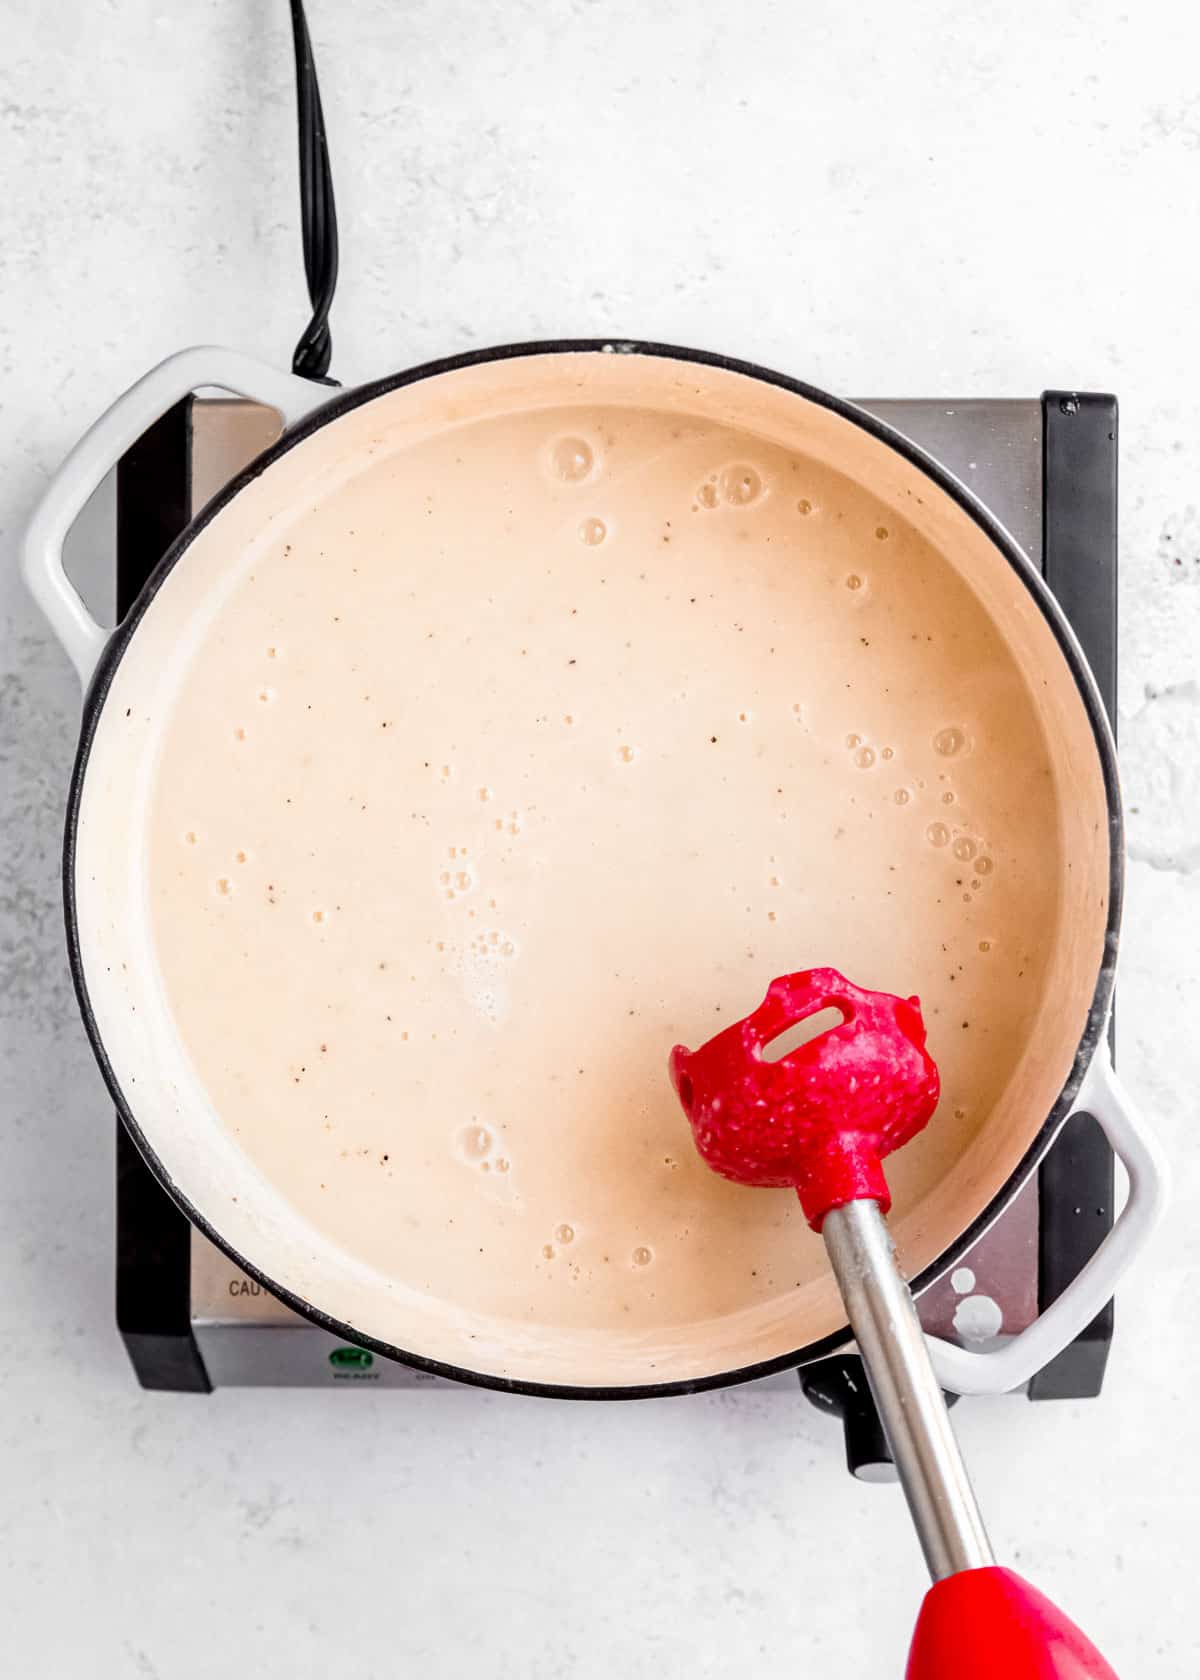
(907, 1394)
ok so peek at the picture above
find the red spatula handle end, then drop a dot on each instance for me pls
(992, 1625)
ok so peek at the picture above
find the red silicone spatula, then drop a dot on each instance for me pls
(820, 1119)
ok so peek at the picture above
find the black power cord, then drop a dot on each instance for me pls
(318, 215)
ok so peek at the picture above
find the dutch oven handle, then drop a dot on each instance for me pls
(1013, 1363)
(102, 447)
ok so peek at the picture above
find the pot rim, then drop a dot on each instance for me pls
(343, 403)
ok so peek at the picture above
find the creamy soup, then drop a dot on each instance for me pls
(548, 745)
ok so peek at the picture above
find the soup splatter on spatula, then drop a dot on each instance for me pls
(820, 1118)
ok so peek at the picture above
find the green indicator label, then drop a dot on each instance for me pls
(357, 1359)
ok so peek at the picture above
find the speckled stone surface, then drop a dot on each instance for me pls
(928, 199)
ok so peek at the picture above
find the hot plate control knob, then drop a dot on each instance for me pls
(839, 1386)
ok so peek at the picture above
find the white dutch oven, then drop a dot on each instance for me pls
(126, 676)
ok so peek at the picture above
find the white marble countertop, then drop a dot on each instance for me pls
(918, 199)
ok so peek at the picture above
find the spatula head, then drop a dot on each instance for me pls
(821, 1117)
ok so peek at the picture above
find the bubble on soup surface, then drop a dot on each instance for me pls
(741, 484)
(949, 742)
(572, 459)
(474, 1141)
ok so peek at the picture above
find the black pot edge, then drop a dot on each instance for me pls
(341, 404)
